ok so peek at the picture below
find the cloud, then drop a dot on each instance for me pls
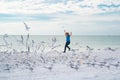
(49, 16)
(79, 25)
(58, 6)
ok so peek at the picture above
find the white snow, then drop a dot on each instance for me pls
(41, 62)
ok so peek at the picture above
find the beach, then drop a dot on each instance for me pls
(60, 40)
(35, 58)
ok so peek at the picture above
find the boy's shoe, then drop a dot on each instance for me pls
(63, 51)
(69, 49)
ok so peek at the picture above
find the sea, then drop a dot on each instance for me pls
(81, 40)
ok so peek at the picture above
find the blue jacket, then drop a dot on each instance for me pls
(68, 38)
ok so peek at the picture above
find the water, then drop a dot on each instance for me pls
(93, 41)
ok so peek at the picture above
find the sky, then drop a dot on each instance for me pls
(52, 17)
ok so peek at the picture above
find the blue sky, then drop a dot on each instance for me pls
(51, 17)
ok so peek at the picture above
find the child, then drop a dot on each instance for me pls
(67, 40)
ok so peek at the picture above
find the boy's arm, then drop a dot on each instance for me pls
(70, 33)
(64, 31)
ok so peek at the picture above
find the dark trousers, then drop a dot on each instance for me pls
(66, 46)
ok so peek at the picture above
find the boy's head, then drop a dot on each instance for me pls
(66, 33)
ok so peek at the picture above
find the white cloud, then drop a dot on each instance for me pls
(40, 7)
(82, 25)
(81, 21)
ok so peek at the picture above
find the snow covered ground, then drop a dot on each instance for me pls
(39, 61)
(99, 64)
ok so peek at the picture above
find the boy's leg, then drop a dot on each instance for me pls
(65, 47)
(68, 46)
